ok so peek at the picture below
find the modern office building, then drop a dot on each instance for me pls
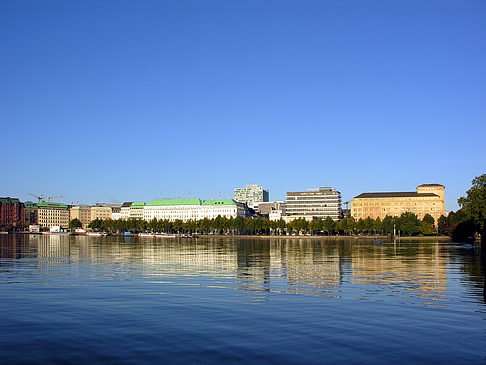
(53, 214)
(314, 203)
(251, 195)
(428, 199)
(81, 212)
(11, 213)
(193, 209)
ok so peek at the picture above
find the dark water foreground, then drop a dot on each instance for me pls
(116, 300)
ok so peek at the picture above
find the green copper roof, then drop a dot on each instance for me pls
(30, 204)
(51, 205)
(219, 202)
(137, 204)
(169, 202)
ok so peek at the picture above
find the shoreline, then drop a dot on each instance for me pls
(300, 237)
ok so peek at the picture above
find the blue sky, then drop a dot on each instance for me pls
(118, 101)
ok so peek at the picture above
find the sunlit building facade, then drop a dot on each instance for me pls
(428, 199)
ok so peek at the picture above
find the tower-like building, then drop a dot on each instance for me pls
(252, 195)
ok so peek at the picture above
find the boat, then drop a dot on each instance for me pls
(145, 235)
(96, 234)
(166, 235)
(57, 233)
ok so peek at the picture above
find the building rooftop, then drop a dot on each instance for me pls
(429, 185)
(168, 202)
(192, 201)
(402, 194)
(219, 202)
(51, 205)
(8, 200)
(126, 204)
(137, 204)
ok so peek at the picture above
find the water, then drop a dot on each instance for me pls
(130, 300)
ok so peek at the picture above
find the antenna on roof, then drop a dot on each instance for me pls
(211, 196)
(189, 192)
(220, 195)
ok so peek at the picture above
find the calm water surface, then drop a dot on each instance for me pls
(130, 300)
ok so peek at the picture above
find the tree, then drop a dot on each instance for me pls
(409, 223)
(427, 226)
(377, 225)
(95, 224)
(474, 205)
(429, 219)
(75, 223)
(329, 225)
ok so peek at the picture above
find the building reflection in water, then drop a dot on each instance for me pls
(416, 273)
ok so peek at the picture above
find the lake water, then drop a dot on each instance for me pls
(130, 300)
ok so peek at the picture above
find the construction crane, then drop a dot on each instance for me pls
(43, 197)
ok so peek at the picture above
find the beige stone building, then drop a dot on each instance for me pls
(101, 211)
(53, 214)
(428, 199)
(81, 212)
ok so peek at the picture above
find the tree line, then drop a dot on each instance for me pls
(407, 224)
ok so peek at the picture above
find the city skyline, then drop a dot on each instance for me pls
(112, 102)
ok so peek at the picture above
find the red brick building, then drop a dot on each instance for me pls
(11, 213)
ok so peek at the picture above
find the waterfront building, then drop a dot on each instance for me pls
(30, 213)
(266, 208)
(11, 213)
(81, 212)
(125, 210)
(115, 212)
(318, 203)
(53, 214)
(251, 195)
(193, 209)
(136, 210)
(428, 199)
(276, 215)
(100, 211)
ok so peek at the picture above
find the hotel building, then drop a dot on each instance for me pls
(314, 203)
(193, 209)
(53, 214)
(251, 195)
(428, 199)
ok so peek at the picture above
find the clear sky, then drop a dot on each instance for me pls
(117, 101)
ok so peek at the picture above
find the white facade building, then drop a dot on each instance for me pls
(125, 210)
(192, 209)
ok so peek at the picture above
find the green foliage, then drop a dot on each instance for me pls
(429, 219)
(75, 223)
(409, 223)
(95, 224)
(474, 203)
